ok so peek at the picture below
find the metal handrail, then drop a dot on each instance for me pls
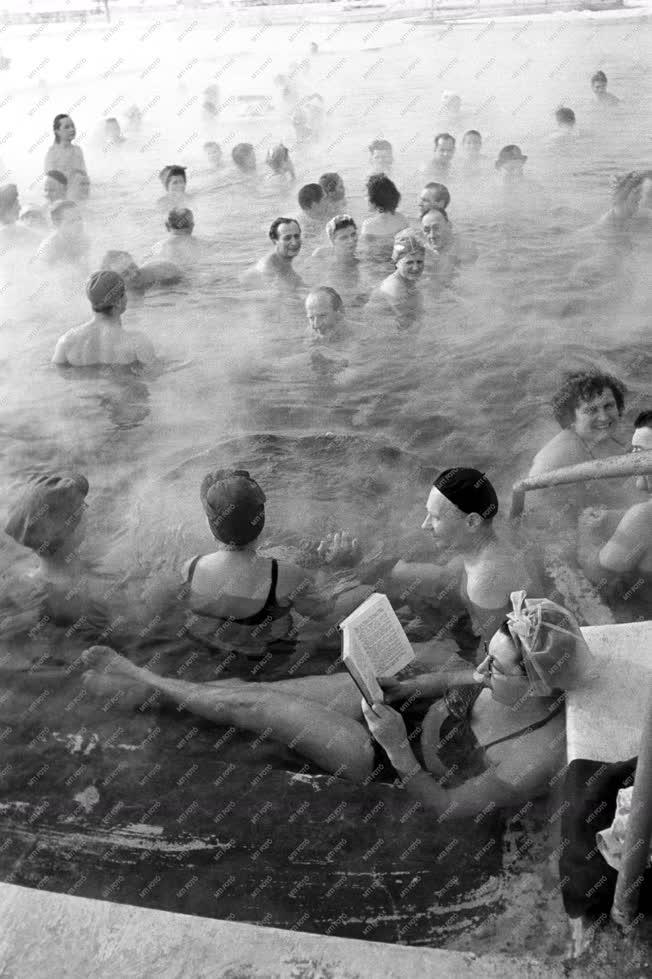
(633, 464)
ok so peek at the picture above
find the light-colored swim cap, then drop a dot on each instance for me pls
(407, 241)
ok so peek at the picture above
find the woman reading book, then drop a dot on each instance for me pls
(493, 742)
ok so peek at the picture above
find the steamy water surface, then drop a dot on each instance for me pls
(468, 385)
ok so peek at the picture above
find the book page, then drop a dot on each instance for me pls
(381, 636)
(361, 670)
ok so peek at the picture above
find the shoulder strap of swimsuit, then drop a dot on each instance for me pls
(529, 728)
(191, 568)
(271, 597)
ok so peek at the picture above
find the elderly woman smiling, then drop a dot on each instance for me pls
(494, 742)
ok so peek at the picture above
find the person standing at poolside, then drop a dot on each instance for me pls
(276, 267)
(470, 554)
(103, 341)
(62, 155)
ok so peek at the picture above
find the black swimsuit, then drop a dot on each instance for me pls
(458, 749)
(271, 609)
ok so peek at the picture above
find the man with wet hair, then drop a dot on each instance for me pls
(440, 165)
(433, 195)
(599, 87)
(276, 267)
(313, 212)
(381, 156)
(138, 279)
(103, 341)
(326, 328)
(180, 247)
(244, 158)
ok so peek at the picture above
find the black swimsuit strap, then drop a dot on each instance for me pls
(527, 730)
(191, 569)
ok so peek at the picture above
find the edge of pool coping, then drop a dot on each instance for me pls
(46, 934)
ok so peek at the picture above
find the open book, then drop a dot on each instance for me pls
(374, 644)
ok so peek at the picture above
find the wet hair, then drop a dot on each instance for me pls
(380, 144)
(115, 257)
(58, 176)
(211, 144)
(278, 157)
(112, 120)
(644, 420)
(440, 136)
(565, 116)
(338, 223)
(336, 300)
(471, 132)
(579, 386)
(329, 182)
(439, 210)
(443, 193)
(309, 195)
(59, 209)
(180, 218)
(276, 224)
(383, 193)
(174, 171)
(57, 123)
(599, 76)
(240, 153)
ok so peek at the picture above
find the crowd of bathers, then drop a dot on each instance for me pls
(499, 742)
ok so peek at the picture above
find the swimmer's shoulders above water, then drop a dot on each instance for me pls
(81, 347)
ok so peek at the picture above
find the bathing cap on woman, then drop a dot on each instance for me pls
(234, 504)
(48, 511)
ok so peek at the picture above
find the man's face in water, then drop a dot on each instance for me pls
(642, 442)
(288, 240)
(321, 316)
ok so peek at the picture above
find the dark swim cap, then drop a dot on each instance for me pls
(234, 504)
(469, 490)
(48, 512)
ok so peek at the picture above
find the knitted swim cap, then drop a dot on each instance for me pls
(234, 504)
(469, 490)
(48, 512)
(105, 289)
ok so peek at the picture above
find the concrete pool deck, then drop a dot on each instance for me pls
(55, 935)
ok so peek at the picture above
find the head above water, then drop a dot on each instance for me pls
(565, 117)
(409, 253)
(436, 227)
(244, 157)
(310, 196)
(122, 263)
(9, 204)
(472, 141)
(342, 233)
(235, 506)
(112, 130)
(383, 193)
(444, 149)
(49, 512)
(180, 220)
(599, 82)
(214, 152)
(590, 403)
(324, 310)
(63, 128)
(175, 179)
(381, 154)
(278, 158)
(451, 101)
(433, 195)
(106, 292)
(460, 508)
(286, 235)
(537, 652)
(510, 159)
(333, 186)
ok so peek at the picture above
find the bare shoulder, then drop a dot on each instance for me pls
(562, 450)
(528, 763)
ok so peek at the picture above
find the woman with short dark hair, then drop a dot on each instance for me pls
(62, 155)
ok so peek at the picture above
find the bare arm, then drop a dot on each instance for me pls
(60, 355)
(625, 549)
